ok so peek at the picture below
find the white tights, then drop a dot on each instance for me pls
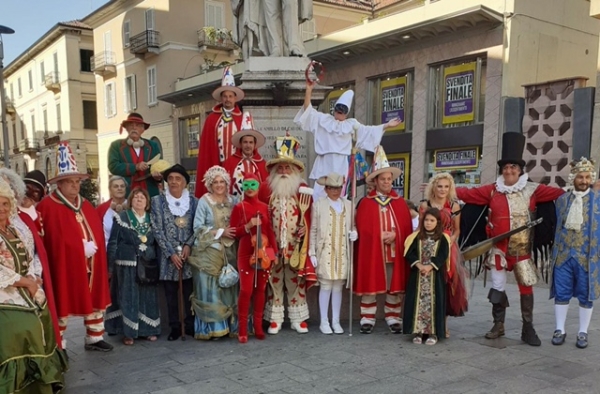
(331, 288)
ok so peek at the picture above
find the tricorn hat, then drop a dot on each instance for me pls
(36, 178)
(247, 129)
(381, 165)
(513, 144)
(133, 117)
(66, 166)
(228, 84)
(286, 148)
(332, 179)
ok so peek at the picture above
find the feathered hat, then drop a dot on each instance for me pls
(247, 129)
(286, 148)
(66, 166)
(381, 165)
(228, 84)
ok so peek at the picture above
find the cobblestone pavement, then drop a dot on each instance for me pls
(362, 364)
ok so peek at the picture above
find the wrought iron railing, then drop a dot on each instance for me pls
(147, 39)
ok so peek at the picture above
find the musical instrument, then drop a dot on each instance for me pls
(311, 68)
(260, 242)
(298, 259)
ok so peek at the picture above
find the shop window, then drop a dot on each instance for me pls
(333, 97)
(464, 164)
(456, 93)
(391, 97)
(189, 132)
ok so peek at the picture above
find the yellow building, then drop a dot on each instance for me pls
(51, 96)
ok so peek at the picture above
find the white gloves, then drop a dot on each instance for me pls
(89, 248)
(353, 235)
(313, 260)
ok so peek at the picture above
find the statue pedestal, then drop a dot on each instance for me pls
(275, 88)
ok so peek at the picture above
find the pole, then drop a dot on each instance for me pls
(352, 214)
(3, 108)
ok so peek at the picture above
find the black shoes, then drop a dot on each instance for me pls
(100, 346)
(558, 338)
(366, 328)
(582, 340)
(395, 328)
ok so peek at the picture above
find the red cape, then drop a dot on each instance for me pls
(46, 275)
(231, 163)
(208, 152)
(102, 209)
(369, 267)
(75, 294)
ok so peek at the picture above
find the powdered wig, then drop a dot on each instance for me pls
(430, 190)
(7, 192)
(212, 173)
(15, 183)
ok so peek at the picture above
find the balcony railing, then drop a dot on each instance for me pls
(10, 106)
(146, 41)
(104, 63)
(52, 81)
(215, 39)
(29, 145)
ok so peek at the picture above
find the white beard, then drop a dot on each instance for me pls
(285, 185)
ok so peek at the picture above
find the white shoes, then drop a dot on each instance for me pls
(325, 329)
(274, 328)
(301, 328)
(337, 328)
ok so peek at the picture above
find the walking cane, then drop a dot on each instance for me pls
(181, 318)
(352, 201)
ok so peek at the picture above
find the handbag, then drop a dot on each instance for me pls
(148, 271)
(229, 275)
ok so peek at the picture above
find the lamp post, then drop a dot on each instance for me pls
(4, 30)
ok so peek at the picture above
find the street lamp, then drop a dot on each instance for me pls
(4, 30)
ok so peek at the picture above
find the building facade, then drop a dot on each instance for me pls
(51, 96)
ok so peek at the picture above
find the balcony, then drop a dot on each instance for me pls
(29, 146)
(104, 63)
(52, 81)
(210, 38)
(147, 41)
(10, 106)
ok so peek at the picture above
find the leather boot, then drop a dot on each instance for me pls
(499, 302)
(243, 306)
(528, 334)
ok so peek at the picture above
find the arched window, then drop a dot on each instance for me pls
(48, 167)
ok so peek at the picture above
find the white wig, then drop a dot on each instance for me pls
(212, 173)
(15, 182)
(7, 192)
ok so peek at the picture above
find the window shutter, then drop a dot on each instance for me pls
(126, 33)
(126, 108)
(106, 100)
(133, 93)
(150, 19)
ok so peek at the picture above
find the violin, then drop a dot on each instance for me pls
(260, 258)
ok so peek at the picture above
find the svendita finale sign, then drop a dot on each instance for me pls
(458, 93)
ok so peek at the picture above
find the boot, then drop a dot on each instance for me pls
(243, 306)
(528, 334)
(499, 302)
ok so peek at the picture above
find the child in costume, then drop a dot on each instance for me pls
(428, 253)
(245, 217)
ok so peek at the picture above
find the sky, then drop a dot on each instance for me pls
(30, 19)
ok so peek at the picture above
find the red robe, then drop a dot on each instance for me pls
(208, 152)
(76, 295)
(499, 217)
(369, 265)
(102, 209)
(256, 166)
(46, 275)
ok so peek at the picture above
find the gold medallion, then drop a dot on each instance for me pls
(181, 222)
(78, 217)
(143, 238)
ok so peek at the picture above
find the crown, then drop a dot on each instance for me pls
(287, 147)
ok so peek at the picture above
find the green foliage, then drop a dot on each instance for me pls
(89, 190)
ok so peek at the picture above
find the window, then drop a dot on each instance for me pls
(85, 56)
(45, 120)
(14, 133)
(189, 135)
(55, 59)
(150, 19)
(129, 93)
(213, 14)
(22, 131)
(12, 91)
(391, 97)
(32, 125)
(151, 75)
(89, 115)
(58, 118)
(308, 30)
(48, 167)
(19, 87)
(42, 72)
(126, 33)
(107, 41)
(30, 76)
(110, 105)
(456, 93)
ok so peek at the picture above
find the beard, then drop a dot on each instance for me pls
(283, 185)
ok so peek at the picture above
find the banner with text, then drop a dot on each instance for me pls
(453, 159)
(458, 93)
(402, 161)
(393, 93)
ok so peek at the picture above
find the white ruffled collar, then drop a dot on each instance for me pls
(178, 206)
(520, 185)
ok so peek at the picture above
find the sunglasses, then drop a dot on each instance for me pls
(341, 109)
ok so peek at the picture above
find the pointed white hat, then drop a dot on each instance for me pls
(346, 99)
(381, 165)
(247, 129)
(228, 84)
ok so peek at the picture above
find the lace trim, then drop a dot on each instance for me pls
(131, 324)
(113, 314)
(126, 263)
(148, 321)
(520, 185)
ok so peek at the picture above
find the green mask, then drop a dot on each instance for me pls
(250, 185)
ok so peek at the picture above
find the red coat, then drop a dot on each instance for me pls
(208, 152)
(75, 294)
(499, 217)
(46, 274)
(230, 165)
(240, 215)
(369, 273)
(102, 209)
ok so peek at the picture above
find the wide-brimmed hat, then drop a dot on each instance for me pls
(133, 117)
(228, 84)
(178, 168)
(66, 166)
(286, 148)
(332, 179)
(36, 178)
(247, 129)
(381, 165)
(513, 144)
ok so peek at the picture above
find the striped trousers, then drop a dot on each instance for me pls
(392, 309)
(94, 328)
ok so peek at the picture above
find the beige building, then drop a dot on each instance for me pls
(459, 73)
(51, 96)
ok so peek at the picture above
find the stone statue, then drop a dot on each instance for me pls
(270, 27)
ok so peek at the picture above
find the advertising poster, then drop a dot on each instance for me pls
(456, 159)
(393, 93)
(402, 161)
(458, 93)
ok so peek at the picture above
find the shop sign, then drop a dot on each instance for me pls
(393, 94)
(402, 161)
(446, 159)
(458, 93)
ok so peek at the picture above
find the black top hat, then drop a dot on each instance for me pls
(513, 144)
(178, 168)
(36, 178)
